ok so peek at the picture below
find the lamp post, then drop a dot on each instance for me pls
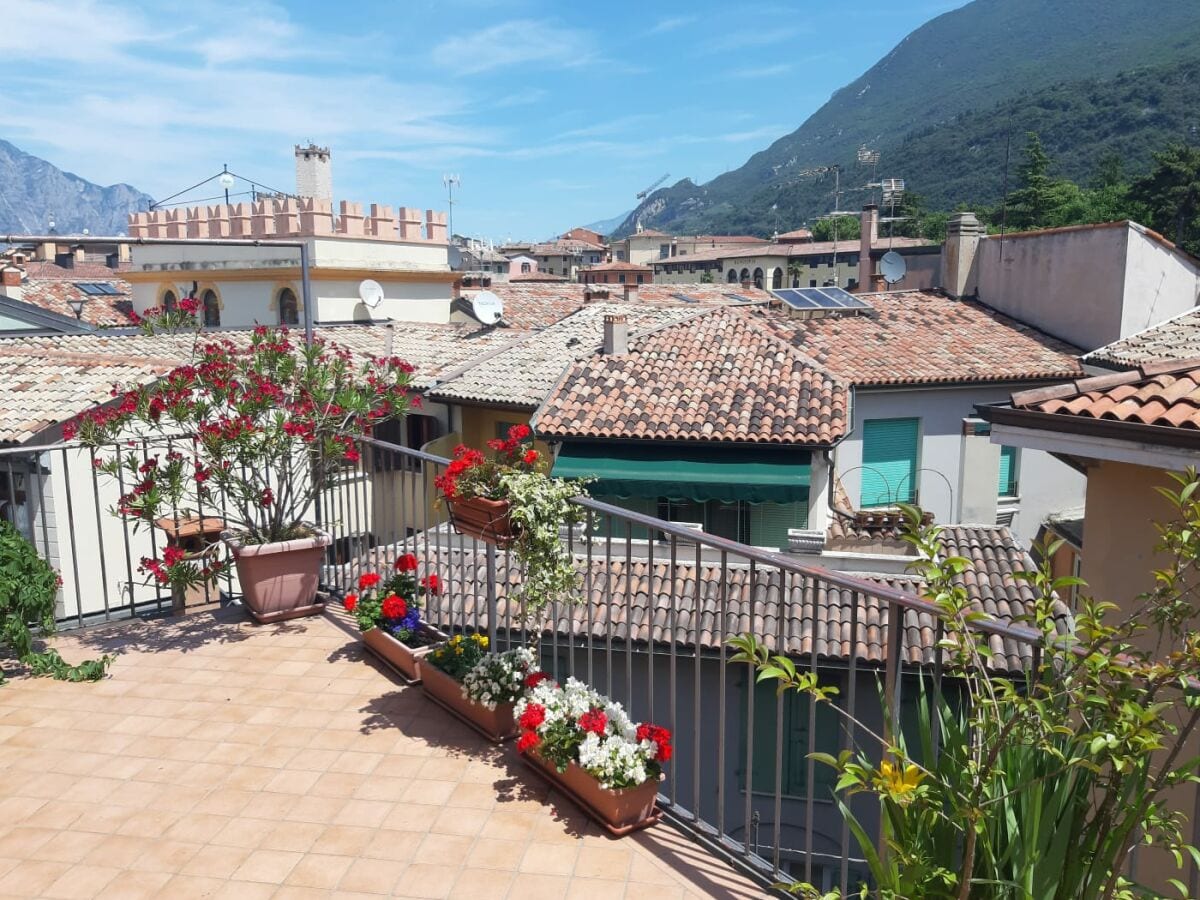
(76, 304)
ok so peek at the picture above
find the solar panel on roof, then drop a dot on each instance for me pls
(685, 298)
(795, 298)
(820, 298)
(739, 298)
(97, 289)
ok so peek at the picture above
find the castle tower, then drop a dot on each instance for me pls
(314, 172)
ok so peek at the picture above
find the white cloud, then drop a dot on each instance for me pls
(671, 24)
(520, 42)
(761, 71)
(756, 37)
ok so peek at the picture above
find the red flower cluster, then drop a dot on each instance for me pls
(533, 679)
(368, 580)
(594, 721)
(533, 716)
(350, 601)
(394, 607)
(661, 738)
(527, 741)
(464, 458)
(432, 583)
(407, 563)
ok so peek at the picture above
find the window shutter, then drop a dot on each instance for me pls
(889, 472)
(1008, 471)
(769, 522)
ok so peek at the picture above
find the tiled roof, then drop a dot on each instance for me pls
(768, 248)
(648, 233)
(536, 305)
(1177, 338)
(523, 373)
(537, 276)
(800, 234)
(50, 379)
(90, 270)
(41, 388)
(717, 376)
(1164, 394)
(566, 247)
(642, 602)
(616, 267)
(53, 293)
(925, 337)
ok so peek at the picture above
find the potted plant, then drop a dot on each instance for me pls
(267, 425)
(586, 745)
(508, 499)
(389, 616)
(479, 687)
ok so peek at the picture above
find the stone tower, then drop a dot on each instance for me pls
(314, 172)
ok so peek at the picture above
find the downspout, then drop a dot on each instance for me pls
(830, 459)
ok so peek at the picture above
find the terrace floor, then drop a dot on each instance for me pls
(224, 759)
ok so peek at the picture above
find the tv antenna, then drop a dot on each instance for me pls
(450, 182)
(223, 180)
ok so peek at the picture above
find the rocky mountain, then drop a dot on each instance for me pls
(986, 65)
(34, 193)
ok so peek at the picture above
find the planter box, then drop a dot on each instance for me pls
(618, 812)
(279, 581)
(497, 725)
(402, 659)
(483, 519)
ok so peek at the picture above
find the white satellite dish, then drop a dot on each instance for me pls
(487, 307)
(370, 292)
(455, 258)
(225, 180)
(892, 267)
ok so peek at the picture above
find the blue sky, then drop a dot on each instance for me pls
(552, 114)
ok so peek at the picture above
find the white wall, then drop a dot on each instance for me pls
(1159, 284)
(1046, 485)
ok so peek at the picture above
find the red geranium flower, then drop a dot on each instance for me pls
(533, 679)
(350, 602)
(528, 741)
(661, 737)
(531, 456)
(432, 583)
(534, 715)
(406, 563)
(595, 721)
(394, 607)
(368, 580)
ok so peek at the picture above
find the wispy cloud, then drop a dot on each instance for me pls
(522, 97)
(612, 126)
(520, 42)
(756, 37)
(761, 71)
(672, 23)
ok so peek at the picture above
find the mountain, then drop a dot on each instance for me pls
(33, 193)
(607, 226)
(977, 66)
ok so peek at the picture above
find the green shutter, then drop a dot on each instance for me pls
(795, 742)
(889, 473)
(1008, 471)
(769, 522)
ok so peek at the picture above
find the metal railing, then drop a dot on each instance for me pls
(658, 602)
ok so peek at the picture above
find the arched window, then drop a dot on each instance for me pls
(525, 269)
(777, 278)
(212, 309)
(745, 275)
(289, 307)
(732, 277)
(758, 278)
(169, 301)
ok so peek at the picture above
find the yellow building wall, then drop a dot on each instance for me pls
(480, 424)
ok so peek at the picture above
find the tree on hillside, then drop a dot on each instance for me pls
(843, 228)
(1170, 195)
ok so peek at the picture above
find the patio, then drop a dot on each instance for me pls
(223, 759)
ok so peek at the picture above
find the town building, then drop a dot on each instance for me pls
(64, 286)
(616, 273)
(565, 257)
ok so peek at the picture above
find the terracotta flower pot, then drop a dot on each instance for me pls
(618, 812)
(279, 581)
(483, 519)
(497, 725)
(403, 659)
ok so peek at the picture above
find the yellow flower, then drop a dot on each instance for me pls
(898, 781)
(483, 641)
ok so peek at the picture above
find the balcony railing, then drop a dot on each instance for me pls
(658, 602)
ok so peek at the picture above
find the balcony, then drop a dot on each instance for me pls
(227, 759)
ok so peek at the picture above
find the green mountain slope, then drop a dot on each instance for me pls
(960, 68)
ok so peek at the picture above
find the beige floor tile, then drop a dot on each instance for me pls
(319, 870)
(489, 853)
(295, 836)
(69, 846)
(165, 856)
(426, 880)
(549, 859)
(215, 861)
(130, 885)
(31, 878)
(372, 876)
(270, 866)
(387, 843)
(481, 884)
(82, 882)
(463, 821)
(603, 862)
(539, 887)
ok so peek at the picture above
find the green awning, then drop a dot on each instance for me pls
(689, 471)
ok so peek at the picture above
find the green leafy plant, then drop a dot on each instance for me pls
(1045, 780)
(460, 654)
(28, 586)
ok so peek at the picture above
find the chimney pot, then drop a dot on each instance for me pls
(65, 260)
(963, 233)
(868, 237)
(616, 334)
(631, 293)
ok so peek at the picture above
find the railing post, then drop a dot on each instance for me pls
(891, 683)
(493, 604)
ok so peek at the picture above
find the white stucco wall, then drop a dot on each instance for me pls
(1159, 284)
(1046, 485)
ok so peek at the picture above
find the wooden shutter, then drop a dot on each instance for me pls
(1008, 471)
(889, 472)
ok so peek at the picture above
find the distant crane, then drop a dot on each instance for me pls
(643, 194)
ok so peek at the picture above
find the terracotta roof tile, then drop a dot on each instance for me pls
(717, 376)
(925, 337)
(1169, 398)
(51, 292)
(771, 248)
(1166, 343)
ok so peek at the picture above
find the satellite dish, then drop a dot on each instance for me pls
(370, 292)
(487, 307)
(892, 267)
(455, 258)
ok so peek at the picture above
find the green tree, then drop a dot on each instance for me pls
(1170, 195)
(840, 228)
(1030, 205)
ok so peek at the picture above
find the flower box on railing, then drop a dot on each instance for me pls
(400, 657)
(483, 519)
(619, 812)
(497, 725)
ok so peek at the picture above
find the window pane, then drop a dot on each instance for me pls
(1009, 467)
(889, 472)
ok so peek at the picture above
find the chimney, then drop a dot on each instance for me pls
(65, 260)
(958, 254)
(10, 282)
(631, 293)
(113, 260)
(616, 335)
(868, 237)
(977, 477)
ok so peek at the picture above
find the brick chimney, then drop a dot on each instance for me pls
(616, 335)
(10, 282)
(631, 293)
(868, 238)
(963, 233)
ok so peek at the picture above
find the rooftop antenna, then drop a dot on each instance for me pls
(451, 182)
(869, 157)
